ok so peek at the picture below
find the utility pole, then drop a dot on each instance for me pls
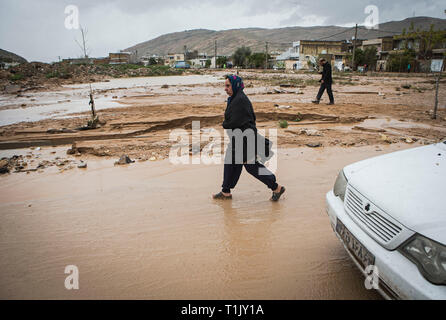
(215, 54)
(354, 47)
(266, 55)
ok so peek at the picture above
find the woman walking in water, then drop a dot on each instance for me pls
(239, 114)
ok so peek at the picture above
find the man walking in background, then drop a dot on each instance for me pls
(326, 82)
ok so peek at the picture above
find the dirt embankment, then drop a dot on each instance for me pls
(40, 76)
(375, 111)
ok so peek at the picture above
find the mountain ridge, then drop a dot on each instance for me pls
(278, 38)
(7, 56)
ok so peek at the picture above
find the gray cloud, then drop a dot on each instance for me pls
(35, 29)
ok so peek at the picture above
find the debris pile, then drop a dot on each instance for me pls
(38, 75)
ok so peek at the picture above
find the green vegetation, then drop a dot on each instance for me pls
(16, 77)
(399, 62)
(298, 117)
(367, 56)
(283, 124)
(257, 60)
(241, 56)
(221, 61)
(426, 40)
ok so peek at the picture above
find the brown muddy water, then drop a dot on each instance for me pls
(150, 230)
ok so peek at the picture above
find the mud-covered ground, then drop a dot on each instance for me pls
(138, 115)
(150, 229)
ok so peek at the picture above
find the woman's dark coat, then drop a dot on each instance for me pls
(240, 114)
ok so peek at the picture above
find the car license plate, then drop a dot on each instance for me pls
(363, 255)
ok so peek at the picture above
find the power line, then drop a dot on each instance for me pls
(336, 34)
(379, 30)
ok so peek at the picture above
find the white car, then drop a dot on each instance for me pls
(390, 212)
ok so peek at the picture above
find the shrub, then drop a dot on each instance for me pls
(283, 124)
(16, 77)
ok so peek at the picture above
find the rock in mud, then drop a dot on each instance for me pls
(314, 144)
(311, 132)
(73, 149)
(385, 138)
(282, 107)
(124, 160)
(4, 166)
(82, 165)
(12, 88)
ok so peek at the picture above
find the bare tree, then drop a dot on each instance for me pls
(86, 51)
(83, 43)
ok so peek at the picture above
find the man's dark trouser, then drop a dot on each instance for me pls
(232, 173)
(322, 89)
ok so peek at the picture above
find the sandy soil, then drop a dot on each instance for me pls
(150, 229)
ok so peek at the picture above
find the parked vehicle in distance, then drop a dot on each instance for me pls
(182, 65)
(389, 213)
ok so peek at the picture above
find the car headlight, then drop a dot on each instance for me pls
(340, 185)
(428, 255)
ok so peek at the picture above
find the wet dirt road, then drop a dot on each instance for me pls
(151, 231)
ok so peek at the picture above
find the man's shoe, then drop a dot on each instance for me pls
(315, 101)
(330, 103)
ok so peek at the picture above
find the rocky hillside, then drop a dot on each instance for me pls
(278, 39)
(6, 56)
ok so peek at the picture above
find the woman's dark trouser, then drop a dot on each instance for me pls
(232, 173)
(329, 91)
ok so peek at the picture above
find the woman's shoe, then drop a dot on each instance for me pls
(221, 196)
(276, 195)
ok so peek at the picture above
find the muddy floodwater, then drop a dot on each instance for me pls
(70, 99)
(150, 230)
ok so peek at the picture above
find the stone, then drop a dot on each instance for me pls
(73, 149)
(311, 132)
(282, 107)
(385, 138)
(12, 88)
(4, 166)
(82, 165)
(124, 160)
(314, 144)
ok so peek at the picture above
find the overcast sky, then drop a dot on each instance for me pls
(35, 29)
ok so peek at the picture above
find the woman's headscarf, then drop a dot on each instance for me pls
(237, 85)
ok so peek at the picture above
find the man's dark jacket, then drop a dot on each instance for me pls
(326, 73)
(240, 114)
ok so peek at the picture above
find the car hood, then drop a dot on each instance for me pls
(408, 185)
